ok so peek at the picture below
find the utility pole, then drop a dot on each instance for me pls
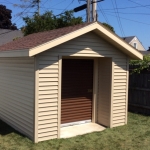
(94, 12)
(88, 10)
(37, 4)
(89, 13)
(38, 7)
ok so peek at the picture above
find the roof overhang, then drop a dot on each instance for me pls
(95, 27)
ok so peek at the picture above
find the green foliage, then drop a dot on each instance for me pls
(141, 64)
(5, 18)
(48, 21)
(16, 38)
(109, 27)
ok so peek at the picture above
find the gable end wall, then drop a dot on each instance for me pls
(87, 45)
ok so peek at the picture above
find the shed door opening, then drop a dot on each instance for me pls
(77, 90)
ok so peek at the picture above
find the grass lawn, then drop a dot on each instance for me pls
(134, 136)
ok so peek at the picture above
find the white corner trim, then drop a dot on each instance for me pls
(62, 39)
(15, 53)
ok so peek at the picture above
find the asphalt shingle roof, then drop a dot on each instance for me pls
(128, 39)
(37, 39)
(8, 35)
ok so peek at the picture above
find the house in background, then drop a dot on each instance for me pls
(146, 52)
(135, 42)
(70, 75)
(7, 35)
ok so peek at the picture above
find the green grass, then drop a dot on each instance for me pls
(134, 136)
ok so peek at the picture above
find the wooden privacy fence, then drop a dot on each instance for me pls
(139, 91)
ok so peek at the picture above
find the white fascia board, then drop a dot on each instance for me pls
(15, 53)
(129, 50)
(62, 39)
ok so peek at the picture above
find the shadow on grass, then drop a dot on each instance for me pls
(6, 129)
(139, 113)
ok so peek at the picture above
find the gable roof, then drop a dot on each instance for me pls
(39, 38)
(39, 42)
(7, 35)
(128, 39)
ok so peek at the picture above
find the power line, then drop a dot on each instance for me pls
(127, 7)
(103, 14)
(6, 3)
(52, 8)
(44, 3)
(139, 4)
(117, 17)
(23, 11)
(58, 3)
(67, 6)
(18, 19)
(119, 20)
(83, 16)
(129, 19)
(129, 13)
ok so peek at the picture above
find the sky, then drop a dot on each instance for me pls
(128, 17)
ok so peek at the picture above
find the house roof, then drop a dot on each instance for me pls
(7, 35)
(128, 39)
(39, 38)
(39, 42)
(145, 52)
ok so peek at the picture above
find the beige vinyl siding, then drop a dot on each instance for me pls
(104, 91)
(48, 97)
(120, 91)
(17, 93)
(87, 45)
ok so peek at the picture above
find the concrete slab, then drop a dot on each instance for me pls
(71, 131)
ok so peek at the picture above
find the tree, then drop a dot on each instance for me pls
(109, 27)
(5, 18)
(48, 21)
(141, 64)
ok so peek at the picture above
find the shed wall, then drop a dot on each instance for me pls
(87, 45)
(119, 91)
(104, 94)
(17, 93)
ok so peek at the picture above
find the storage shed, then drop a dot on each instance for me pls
(60, 77)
